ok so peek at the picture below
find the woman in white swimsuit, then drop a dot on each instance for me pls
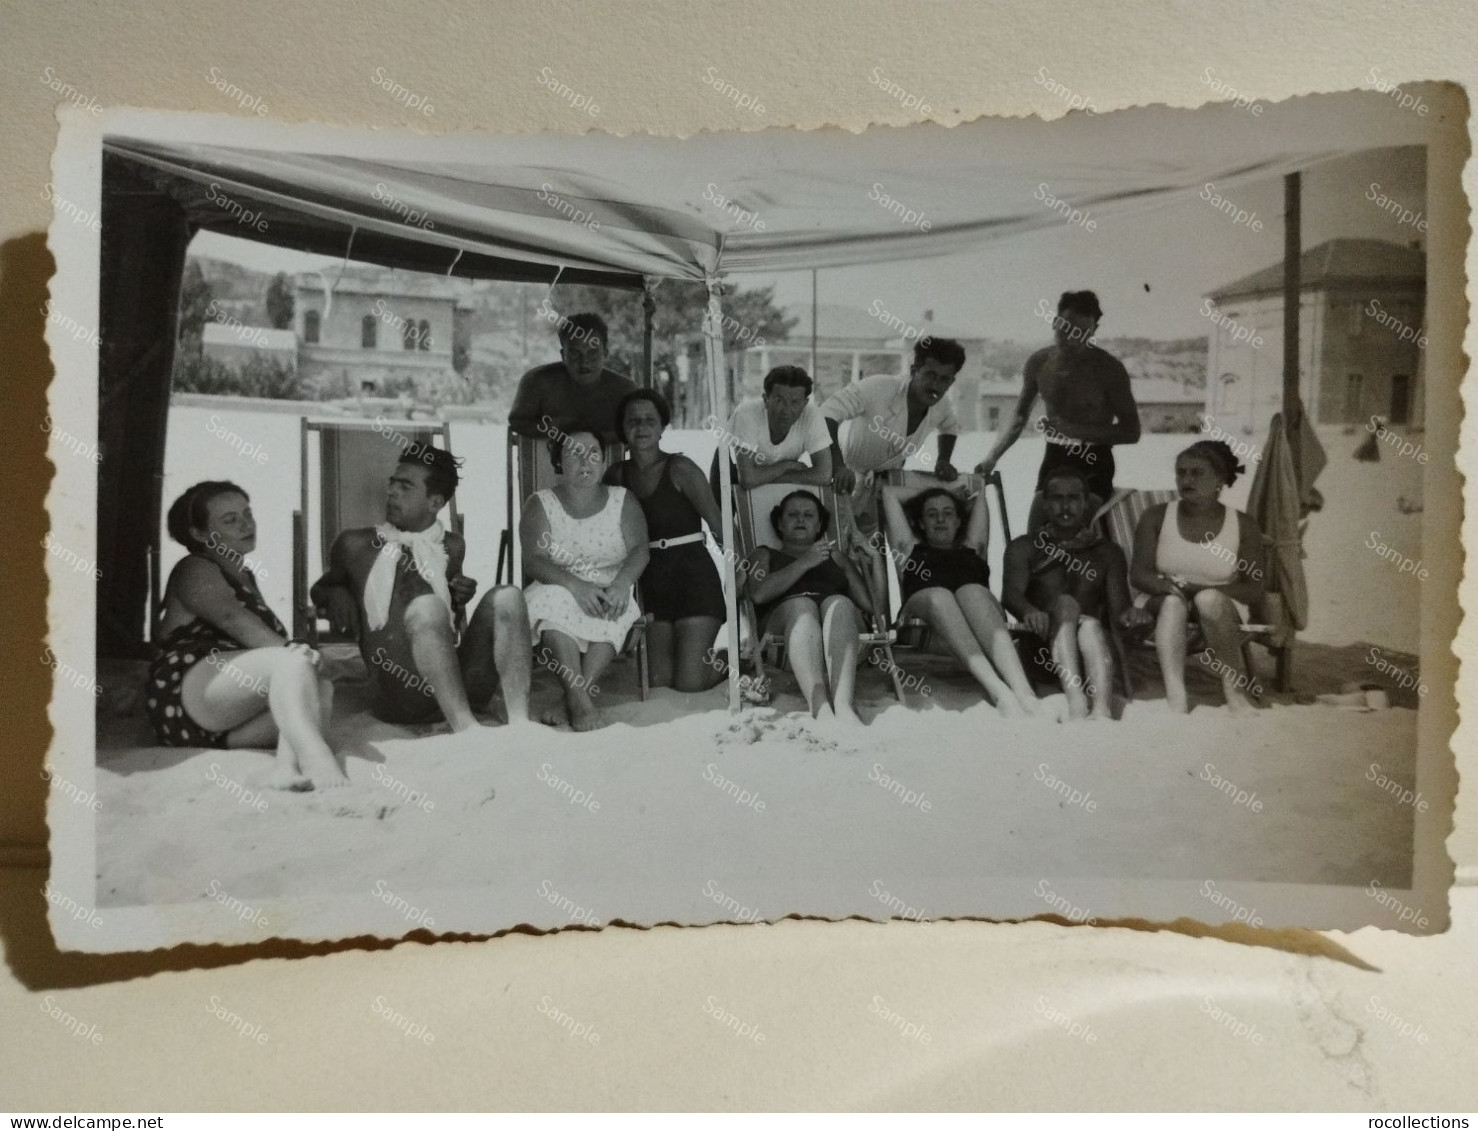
(1198, 558)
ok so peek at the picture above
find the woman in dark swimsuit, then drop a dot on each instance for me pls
(946, 583)
(226, 674)
(680, 587)
(811, 594)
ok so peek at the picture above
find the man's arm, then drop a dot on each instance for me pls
(523, 417)
(334, 593)
(847, 403)
(756, 471)
(1015, 567)
(943, 468)
(1013, 430)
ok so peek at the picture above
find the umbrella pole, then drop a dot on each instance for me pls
(648, 308)
(713, 340)
(1292, 284)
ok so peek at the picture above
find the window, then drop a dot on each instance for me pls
(367, 330)
(408, 335)
(310, 326)
(1357, 318)
(425, 335)
(1354, 397)
(994, 423)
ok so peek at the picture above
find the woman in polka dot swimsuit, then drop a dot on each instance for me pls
(226, 674)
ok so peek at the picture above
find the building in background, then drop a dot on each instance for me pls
(399, 330)
(1361, 338)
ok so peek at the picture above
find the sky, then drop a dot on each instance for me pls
(1150, 267)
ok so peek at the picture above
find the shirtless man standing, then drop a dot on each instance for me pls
(399, 588)
(1067, 583)
(1089, 403)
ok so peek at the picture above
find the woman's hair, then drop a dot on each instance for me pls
(192, 509)
(561, 436)
(914, 510)
(1219, 454)
(652, 397)
(779, 509)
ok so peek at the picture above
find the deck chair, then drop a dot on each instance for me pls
(752, 517)
(913, 632)
(1118, 519)
(355, 459)
(528, 457)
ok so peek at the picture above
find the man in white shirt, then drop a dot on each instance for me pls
(892, 417)
(768, 435)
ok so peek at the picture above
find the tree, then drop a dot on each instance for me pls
(279, 302)
(750, 318)
(196, 295)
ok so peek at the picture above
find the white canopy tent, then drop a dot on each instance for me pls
(625, 211)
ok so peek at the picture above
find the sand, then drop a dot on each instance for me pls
(681, 812)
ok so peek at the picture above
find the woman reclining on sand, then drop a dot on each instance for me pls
(945, 582)
(809, 593)
(227, 675)
(584, 546)
(1200, 558)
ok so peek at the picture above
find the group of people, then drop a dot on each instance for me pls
(613, 542)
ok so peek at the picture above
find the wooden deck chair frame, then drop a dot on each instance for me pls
(528, 456)
(751, 516)
(336, 512)
(1118, 518)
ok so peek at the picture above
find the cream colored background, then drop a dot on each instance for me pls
(978, 989)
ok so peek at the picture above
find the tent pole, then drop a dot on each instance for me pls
(813, 330)
(648, 308)
(713, 341)
(1292, 284)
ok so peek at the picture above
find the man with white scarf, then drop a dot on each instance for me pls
(399, 587)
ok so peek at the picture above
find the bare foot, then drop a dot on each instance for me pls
(584, 714)
(846, 716)
(323, 770)
(1239, 704)
(286, 776)
(1178, 702)
(1010, 707)
(1077, 705)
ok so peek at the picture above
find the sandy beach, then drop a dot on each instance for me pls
(769, 813)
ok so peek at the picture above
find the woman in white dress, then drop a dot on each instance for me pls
(1200, 559)
(584, 546)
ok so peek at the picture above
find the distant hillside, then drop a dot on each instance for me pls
(242, 290)
(1182, 360)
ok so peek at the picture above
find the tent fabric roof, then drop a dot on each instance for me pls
(766, 201)
(1336, 261)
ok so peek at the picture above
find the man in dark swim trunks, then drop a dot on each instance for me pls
(1064, 583)
(1090, 406)
(399, 588)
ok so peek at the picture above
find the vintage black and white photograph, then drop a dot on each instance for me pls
(1024, 518)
